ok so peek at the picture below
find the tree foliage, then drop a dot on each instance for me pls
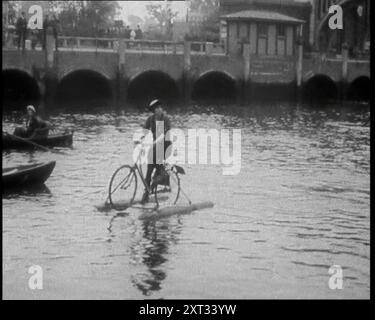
(164, 15)
(10, 9)
(204, 6)
(208, 29)
(9, 17)
(85, 18)
(134, 20)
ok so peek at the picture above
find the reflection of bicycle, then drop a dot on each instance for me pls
(123, 184)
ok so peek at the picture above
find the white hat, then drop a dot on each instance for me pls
(153, 104)
(30, 107)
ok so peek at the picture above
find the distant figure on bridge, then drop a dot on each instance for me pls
(21, 29)
(132, 35)
(138, 33)
(50, 30)
(35, 126)
(34, 37)
(56, 25)
(127, 33)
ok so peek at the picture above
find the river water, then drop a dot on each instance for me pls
(300, 204)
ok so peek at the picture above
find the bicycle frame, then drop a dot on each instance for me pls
(137, 168)
(140, 173)
(150, 189)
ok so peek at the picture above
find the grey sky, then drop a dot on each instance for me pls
(138, 8)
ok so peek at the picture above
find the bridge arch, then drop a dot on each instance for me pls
(19, 89)
(84, 86)
(70, 67)
(319, 87)
(214, 84)
(150, 84)
(360, 89)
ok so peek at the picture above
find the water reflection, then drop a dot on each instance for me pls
(31, 191)
(151, 251)
(149, 248)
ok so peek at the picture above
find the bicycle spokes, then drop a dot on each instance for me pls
(169, 194)
(123, 187)
(123, 184)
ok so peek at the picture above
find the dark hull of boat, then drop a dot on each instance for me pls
(28, 175)
(64, 140)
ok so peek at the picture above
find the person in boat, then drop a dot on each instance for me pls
(159, 124)
(35, 126)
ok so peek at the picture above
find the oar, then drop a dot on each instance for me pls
(34, 144)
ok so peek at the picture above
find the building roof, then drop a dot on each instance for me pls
(268, 16)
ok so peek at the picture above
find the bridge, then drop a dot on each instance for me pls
(121, 70)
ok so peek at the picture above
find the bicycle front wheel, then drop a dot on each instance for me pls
(122, 188)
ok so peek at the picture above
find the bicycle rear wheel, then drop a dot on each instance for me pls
(168, 195)
(122, 188)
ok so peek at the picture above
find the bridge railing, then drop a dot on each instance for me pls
(71, 43)
(154, 46)
(149, 46)
(207, 48)
(82, 43)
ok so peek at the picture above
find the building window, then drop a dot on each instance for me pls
(262, 42)
(280, 30)
(262, 30)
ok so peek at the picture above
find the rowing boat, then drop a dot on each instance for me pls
(60, 140)
(27, 175)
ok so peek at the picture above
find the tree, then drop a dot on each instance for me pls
(10, 10)
(85, 18)
(209, 28)
(101, 14)
(70, 14)
(204, 6)
(134, 20)
(164, 15)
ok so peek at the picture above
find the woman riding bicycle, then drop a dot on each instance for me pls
(159, 124)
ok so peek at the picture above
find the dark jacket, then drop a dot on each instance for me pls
(21, 25)
(138, 34)
(151, 125)
(37, 126)
(50, 27)
(127, 33)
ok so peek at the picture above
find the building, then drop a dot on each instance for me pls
(356, 28)
(296, 9)
(269, 33)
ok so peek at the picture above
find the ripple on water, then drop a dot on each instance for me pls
(299, 205)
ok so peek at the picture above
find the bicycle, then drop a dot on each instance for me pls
(123, 184)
